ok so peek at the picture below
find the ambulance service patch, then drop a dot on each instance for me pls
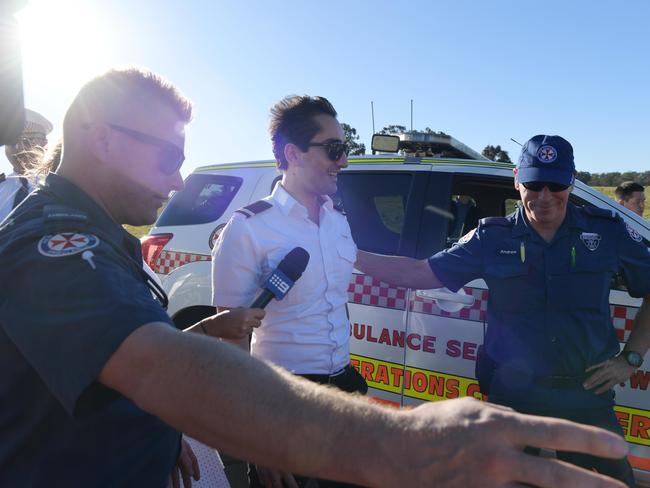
(633, 233)
(591, 240)
(547, 154)
(66, 244)
(467, 237)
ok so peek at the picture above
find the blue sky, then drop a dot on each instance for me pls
(481, 71)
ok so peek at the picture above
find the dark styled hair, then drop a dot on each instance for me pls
(625, 190)
(292, 122)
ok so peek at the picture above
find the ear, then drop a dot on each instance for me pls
(293, 155)
(98, 141)
(514, 170)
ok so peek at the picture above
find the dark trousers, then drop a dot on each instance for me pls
(602, 417)
(349, 381)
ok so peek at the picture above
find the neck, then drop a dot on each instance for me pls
(309, 200)
(545, 231)
(86, 179)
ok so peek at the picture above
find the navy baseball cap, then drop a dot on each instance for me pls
(546, 158)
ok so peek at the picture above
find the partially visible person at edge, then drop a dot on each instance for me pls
(101, 383)
(550, 347)
(631, 195)
(24, 156)
(308, 331)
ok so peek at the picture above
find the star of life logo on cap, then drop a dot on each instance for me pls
(66, 244)
(591, 240)
(547, 154)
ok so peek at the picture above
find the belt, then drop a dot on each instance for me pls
(560, 382)
(325, 378)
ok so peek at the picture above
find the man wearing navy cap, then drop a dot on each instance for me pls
(550, 347)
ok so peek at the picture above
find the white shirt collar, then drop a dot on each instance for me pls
(287, 203)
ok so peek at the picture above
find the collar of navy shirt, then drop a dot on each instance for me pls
(572, 219)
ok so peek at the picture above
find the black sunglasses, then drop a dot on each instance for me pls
(171, 156)
(334, 149)
(539, 186)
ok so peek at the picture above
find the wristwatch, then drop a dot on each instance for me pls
(633, 358)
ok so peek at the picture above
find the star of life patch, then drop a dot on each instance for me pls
(634, 235)
(466, 237)
(547, 154)
(66, 244)
(591, 240)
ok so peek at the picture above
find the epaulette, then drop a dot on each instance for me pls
(337, 204)
(254, 208)
(602, 213)
(502, 221)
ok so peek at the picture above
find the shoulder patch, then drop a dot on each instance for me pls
(600, 212)
(66, 244)
(255, 208)
(502, 221)
(634, 235)
(337, 204)
(467, 237)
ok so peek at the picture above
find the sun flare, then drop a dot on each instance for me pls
(64, 42)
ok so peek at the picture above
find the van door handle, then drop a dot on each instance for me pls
(446, 295)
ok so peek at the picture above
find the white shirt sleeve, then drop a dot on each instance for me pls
(236, 268)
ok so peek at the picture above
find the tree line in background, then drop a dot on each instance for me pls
(495, 153)
(614, 178)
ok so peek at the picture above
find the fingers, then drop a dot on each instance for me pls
(196, 471)
(550, 473)
(289, 480)
(596, 366)
(563, 435)
(187, 479)
(269, 477)
(258, 313)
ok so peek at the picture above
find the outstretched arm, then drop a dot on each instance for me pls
(204, 388)
(398, 270)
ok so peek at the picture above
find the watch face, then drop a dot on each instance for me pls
(634, 359)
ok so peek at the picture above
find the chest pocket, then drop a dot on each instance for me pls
(510, 285)
(506, 269)
(590, 274)
(346, 249)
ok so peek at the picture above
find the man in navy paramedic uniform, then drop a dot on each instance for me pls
(550, 347)
(96, 383)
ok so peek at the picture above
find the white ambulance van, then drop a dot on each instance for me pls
(410, 345)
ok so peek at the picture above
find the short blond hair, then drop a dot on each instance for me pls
(111, 92)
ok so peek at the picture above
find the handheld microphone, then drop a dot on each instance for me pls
(283, 278)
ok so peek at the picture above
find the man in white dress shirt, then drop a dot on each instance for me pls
(308, 331)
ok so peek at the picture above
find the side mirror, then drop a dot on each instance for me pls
(385, 143)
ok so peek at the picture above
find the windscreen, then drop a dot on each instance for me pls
(204, 199)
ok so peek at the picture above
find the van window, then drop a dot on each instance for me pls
(375, 204)
(204, 199)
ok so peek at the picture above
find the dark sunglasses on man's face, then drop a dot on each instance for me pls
(334, 149)
(171, 156)
(539, 186)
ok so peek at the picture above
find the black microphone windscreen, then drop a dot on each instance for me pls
(294, 263)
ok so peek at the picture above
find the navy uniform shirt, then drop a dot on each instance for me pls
(548, 309)
(71, 290)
